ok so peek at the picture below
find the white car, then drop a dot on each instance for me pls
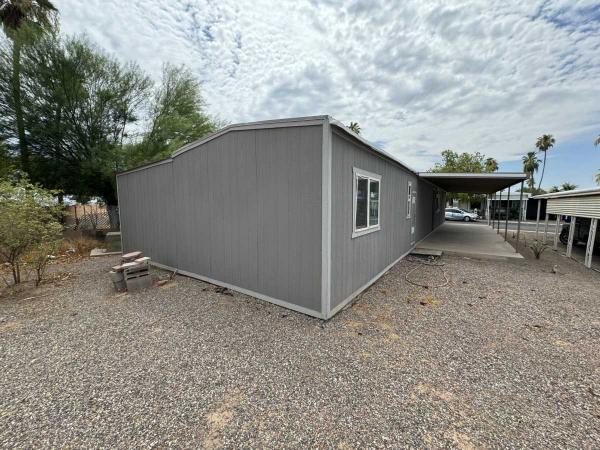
(459, 214)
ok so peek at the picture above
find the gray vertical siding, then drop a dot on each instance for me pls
(245, 209)
(424, 209)
(147, 212)
(355, 262)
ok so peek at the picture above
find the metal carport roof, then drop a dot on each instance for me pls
(474, 183)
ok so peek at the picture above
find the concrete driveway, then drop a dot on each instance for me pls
(469, 239)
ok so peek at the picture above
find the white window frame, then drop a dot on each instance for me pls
(356, 174)
(409, 194)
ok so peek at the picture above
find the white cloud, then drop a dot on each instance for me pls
(418, 76)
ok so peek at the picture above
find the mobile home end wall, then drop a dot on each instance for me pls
(242, 210)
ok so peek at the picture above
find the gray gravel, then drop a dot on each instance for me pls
(506, 355)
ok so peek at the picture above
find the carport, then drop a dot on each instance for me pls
(577, 204)
(477, 240)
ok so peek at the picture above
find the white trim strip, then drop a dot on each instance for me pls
(147, 166)
(484, 175)
(280, 123)
(574, 193)
(254, 294)
(326, 219)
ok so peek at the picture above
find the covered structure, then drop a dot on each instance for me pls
(300, 212)
(490, 184)
(579, 205)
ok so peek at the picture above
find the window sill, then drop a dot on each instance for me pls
(363, 231)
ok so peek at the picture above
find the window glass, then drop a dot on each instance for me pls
(409, 200)
(373, 202)
(362, 199)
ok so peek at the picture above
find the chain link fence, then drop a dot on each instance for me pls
(92, 217)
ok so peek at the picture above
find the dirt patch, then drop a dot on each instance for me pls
(12, 325)
(426, 389)
(219, 419)
(462, 441)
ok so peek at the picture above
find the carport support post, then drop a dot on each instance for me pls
(487, 208)
(506, 220)
(493, 213)
(537, 222)
(556, 232)
(589, 251)
(571, 236)
(520, 217)
(546, 228)
(499, 213)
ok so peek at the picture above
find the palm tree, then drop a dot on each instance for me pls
(597, 141)
(354, 126)
(598, 178)
(554, 189)
(544, 143)
(490, 165)
(15, 16)
(531, 164)
(568, 186)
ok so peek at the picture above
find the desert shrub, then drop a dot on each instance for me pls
(40, 255)
(28, 219)
(537, 248)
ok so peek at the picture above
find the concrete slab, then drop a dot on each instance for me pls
(469, 239)
(426, 252)
(102, 252)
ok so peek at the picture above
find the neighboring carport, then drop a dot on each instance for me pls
(476, 183)
(577, 204)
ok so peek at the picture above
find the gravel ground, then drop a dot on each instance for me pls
(505, 355)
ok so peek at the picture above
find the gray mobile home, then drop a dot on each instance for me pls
(300, 212)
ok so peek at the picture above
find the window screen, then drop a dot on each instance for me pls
(373, 202)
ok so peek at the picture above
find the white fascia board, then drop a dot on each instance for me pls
(574, 193)
(488, 175)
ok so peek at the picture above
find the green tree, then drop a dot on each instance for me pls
(28, 218)
(78, 104)
(354, 126)
(554, 189)
(452, 162)
(568, 186)
(490, 165)
(176, 118)
(531, 164)
(543, 144)
(597, 141)
(21, 20)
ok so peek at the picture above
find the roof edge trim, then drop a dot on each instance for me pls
(573, 193)
(277, 123)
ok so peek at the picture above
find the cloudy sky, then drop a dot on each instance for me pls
(418, 76)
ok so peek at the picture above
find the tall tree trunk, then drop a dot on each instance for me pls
(16, 85)
(543, 168)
